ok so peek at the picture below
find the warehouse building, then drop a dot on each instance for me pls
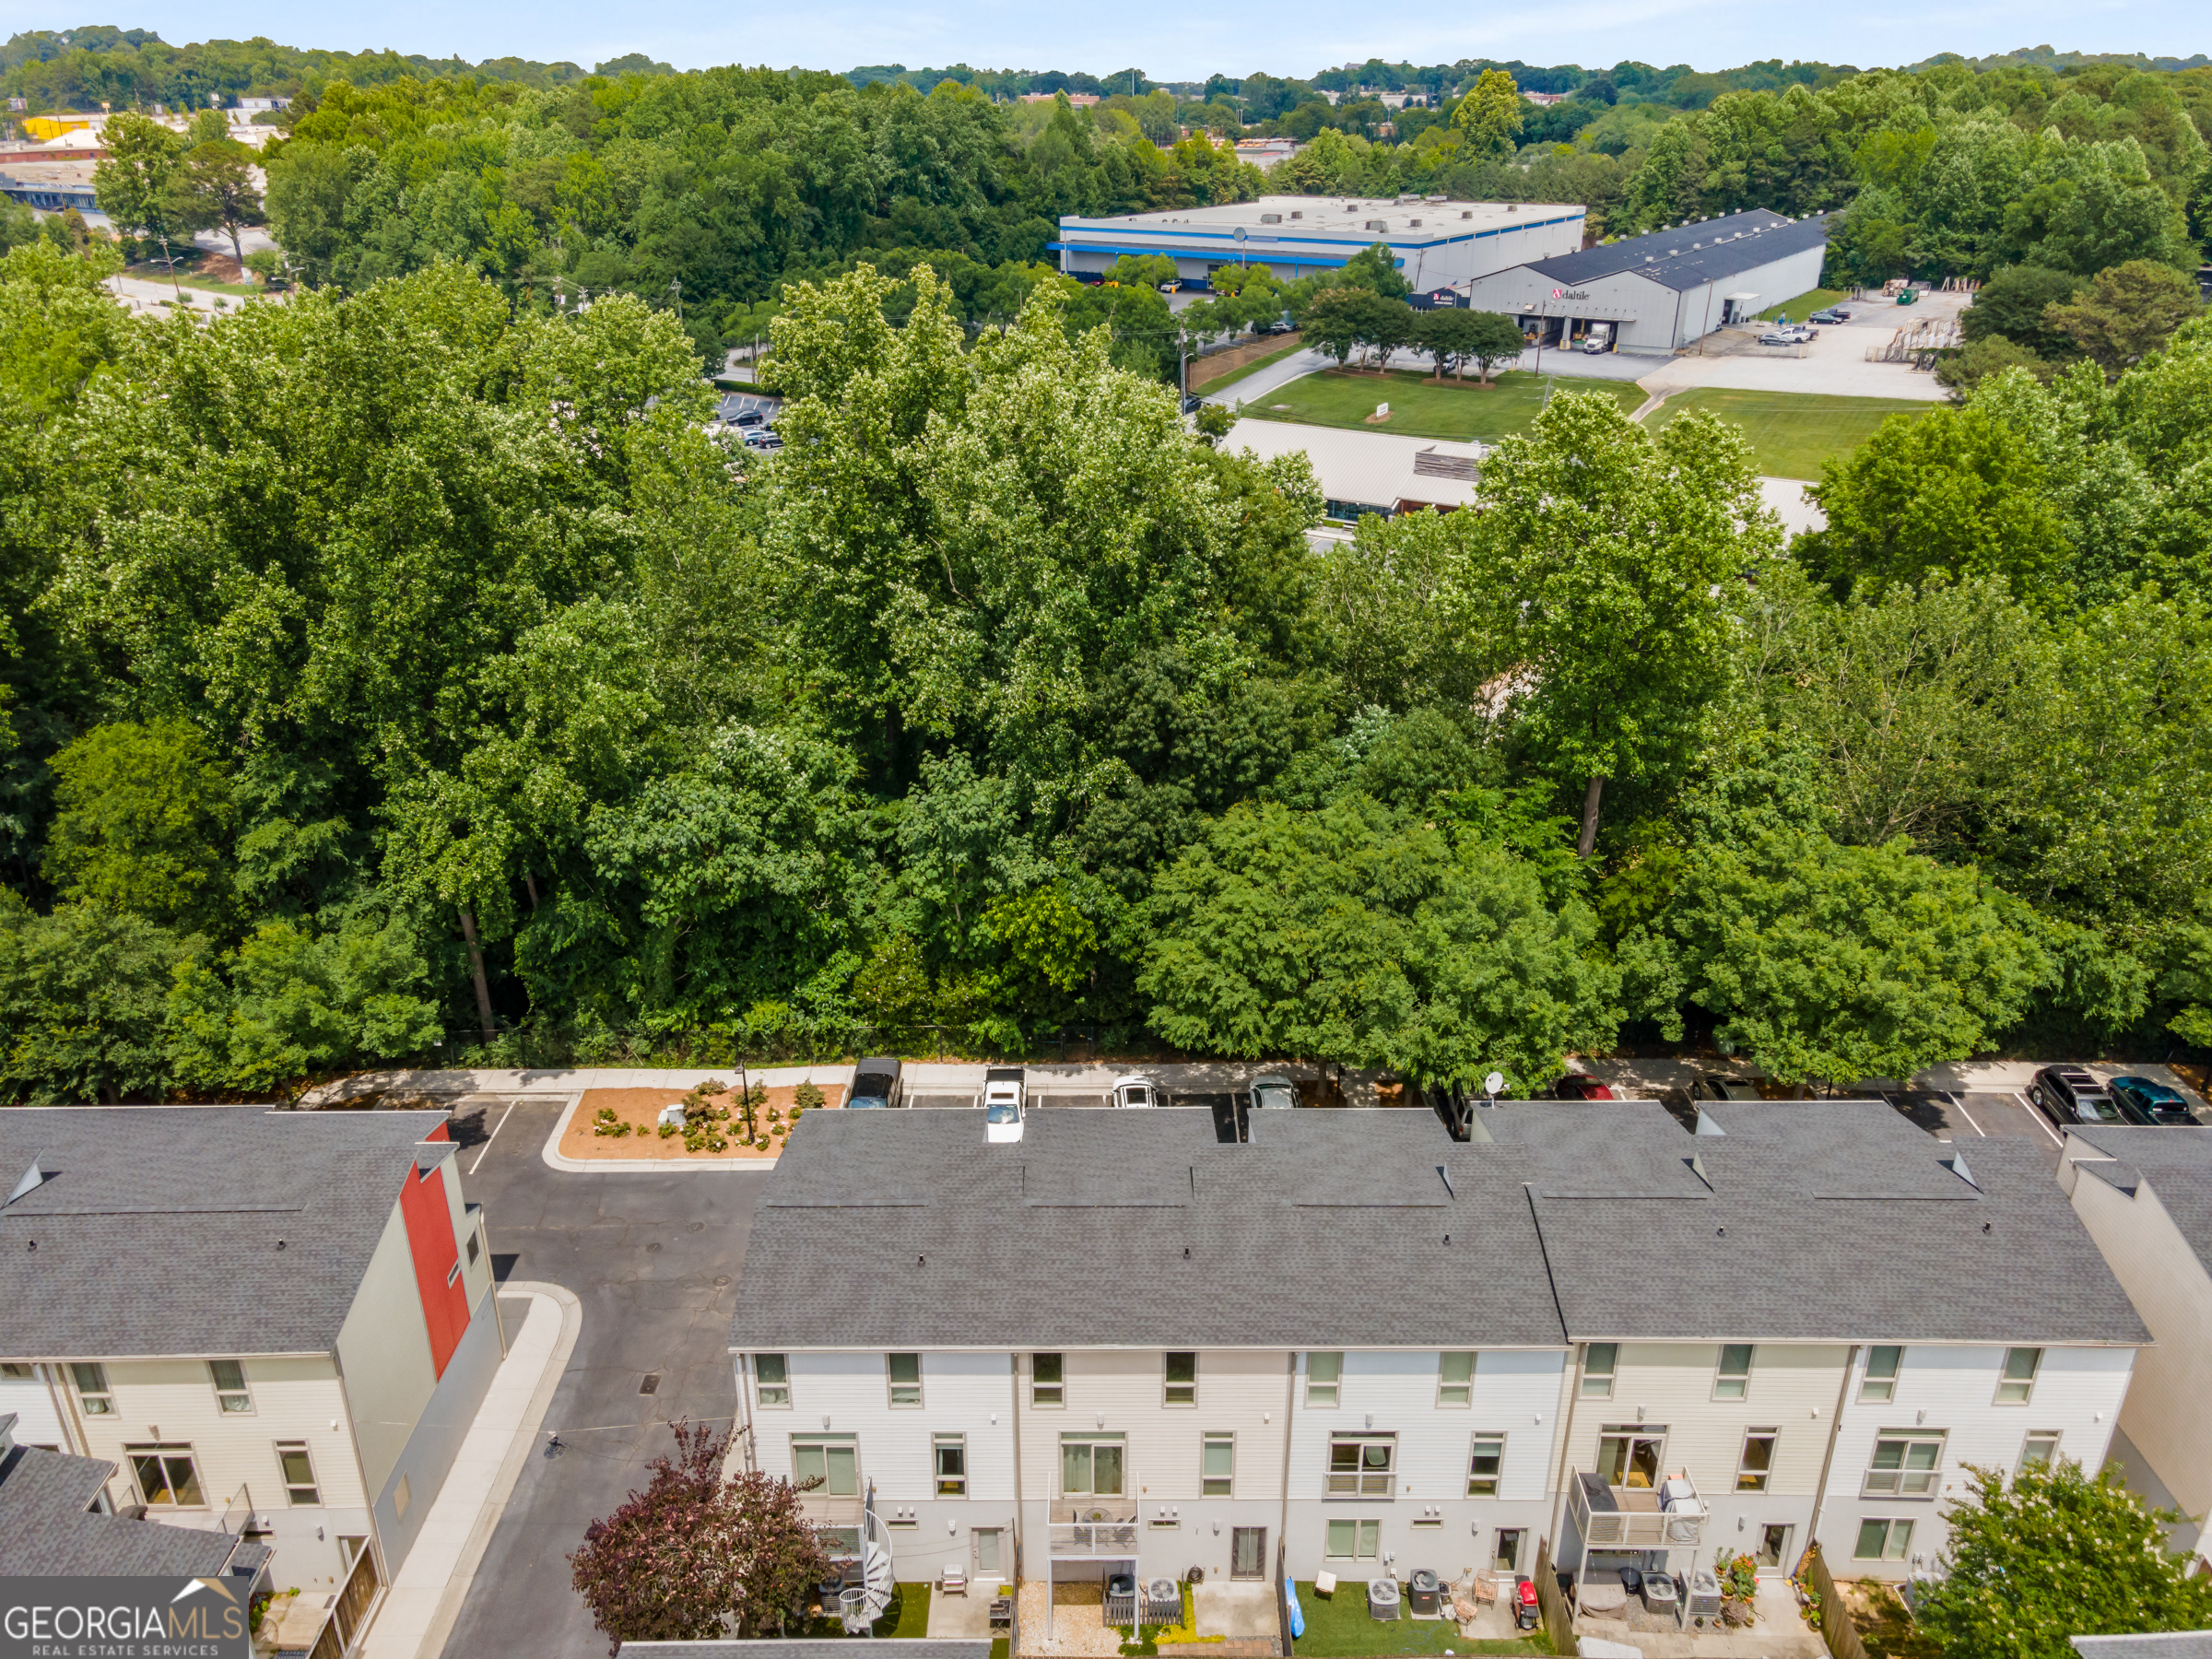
(1433, 240)
(1659, 292)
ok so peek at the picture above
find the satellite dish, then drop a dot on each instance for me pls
(1237, 233)
(1493, 1083)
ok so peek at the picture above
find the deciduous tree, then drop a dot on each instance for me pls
(2127, 313)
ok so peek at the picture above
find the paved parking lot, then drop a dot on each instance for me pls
(653, 1258)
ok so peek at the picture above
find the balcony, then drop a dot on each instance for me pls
(1093, 1528)
(1669, 1516)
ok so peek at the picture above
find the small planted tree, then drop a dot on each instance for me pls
(1496, 338)
(2055, 1554)
(694, 1557)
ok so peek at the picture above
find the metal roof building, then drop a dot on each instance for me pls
(1664, 290)
(1434, 241)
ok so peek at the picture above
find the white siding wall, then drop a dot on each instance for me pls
(295, 1397)
(2170, 1398)
(2078, 1393)
(384, 1349)
(965, 1393)
(30, 1400)
(1430, 1522)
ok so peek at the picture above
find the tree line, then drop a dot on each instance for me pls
(397, 666)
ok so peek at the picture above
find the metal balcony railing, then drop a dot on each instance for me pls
(1611, 1517)
(1093, 1528)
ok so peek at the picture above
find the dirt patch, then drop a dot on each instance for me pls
(640, 1109)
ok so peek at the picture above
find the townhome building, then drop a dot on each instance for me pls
(2145, 1195)
(1357, 1344)
(271, 1324)
(1806, 1320)
(1146, 1351)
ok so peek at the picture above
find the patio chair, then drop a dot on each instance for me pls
(952, 1580)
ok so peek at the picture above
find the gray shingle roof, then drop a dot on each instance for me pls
(2167, 1644)
(1694, 254)
(1823, 1220)
(45, 1531)
(157, 1227)
(1842, 1221)
(2176, 1161)
(1137, 1227)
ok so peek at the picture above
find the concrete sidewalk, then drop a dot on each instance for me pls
(425, 1596)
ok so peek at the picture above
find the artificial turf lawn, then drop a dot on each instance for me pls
(1338, 1626)
(1791, 432)
(1421, 408)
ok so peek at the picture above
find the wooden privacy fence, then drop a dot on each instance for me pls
(1559, 1624)
(1836, 1628)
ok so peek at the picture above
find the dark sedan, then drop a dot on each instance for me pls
(2154, 1102)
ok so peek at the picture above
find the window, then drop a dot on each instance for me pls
(1048, 1384)
(92, 1392)
(1090, 1466)
(1506, 1558)
(15, 1372)
(1486, 1466)
(1218, 1466)
(231, 1391)
(830, 1461)
(167, 1478)
(951, 1454)
(2019, 1382)
(1882, 1365)
(298, 1474)
(906, 1379)
(1599, 1362)
(1733, 1381)
(1883, 1540)
(1455, 1379)
(771, 1381)
(1325, 1372)
(1630, 1454)
(1182, 1380)
(2040, 1450)
(452, 1273)
(1353, 1540)
(1360, 1466)
(475, 1246)
(1757, 1462)
(1908, 1465)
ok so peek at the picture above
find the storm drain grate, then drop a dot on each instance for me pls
(652, 1384)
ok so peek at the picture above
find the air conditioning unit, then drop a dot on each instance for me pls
(1376, 225)
(1271, 219)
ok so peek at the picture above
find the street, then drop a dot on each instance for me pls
(653, 1258)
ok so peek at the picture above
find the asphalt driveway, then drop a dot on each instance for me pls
(653, 1258)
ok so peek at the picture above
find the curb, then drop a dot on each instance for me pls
(555, 1160)
(463, 1574)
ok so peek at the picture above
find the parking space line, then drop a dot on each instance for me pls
(2034, 1112)
(1970, 1118)
(492, 1136)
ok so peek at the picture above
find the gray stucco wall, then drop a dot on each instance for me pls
(430, 1449)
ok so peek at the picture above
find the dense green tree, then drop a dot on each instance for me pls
(2125, 313)
(83, 995)
(214, 190)
(136, 181)
(144, 824)
(1490, 114)
(1355, 937)
(2012, 304)
(2052, 1554)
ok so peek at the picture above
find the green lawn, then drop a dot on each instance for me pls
(1805, 305)
(907, 1616)
(1207, 388)
(1338, 1626)
(1421, 408)
(1792, 433)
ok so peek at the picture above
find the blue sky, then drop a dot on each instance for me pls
(1174, 41)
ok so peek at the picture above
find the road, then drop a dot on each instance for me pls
(653, 1258)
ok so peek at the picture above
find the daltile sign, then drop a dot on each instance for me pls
(124, 1619)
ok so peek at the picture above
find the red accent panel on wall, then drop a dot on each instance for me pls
(430, 1240)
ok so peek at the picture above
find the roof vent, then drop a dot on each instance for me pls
(1376, 225)
(1271, 219)
(1298, 213)
(1706, 1126)
(1413, 224)
(33, 1178)
(1468, 214)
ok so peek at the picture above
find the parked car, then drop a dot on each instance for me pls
(879, 1081)
(1193, 403)
(1281, 325)
(1138, 1091)
(1579, 1086)
(1778, 337)
(1270, 1092)
(1829, 315)
(1002, 1090)
(748, 418)
(2154, 1102)
(2069, 1097)
(762, 438)
(1714, 1087)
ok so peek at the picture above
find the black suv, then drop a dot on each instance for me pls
(2070, 1096)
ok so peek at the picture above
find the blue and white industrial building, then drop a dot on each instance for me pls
(1660, 292)
(1437, 244)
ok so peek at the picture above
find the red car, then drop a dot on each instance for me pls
(1577, 1085)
